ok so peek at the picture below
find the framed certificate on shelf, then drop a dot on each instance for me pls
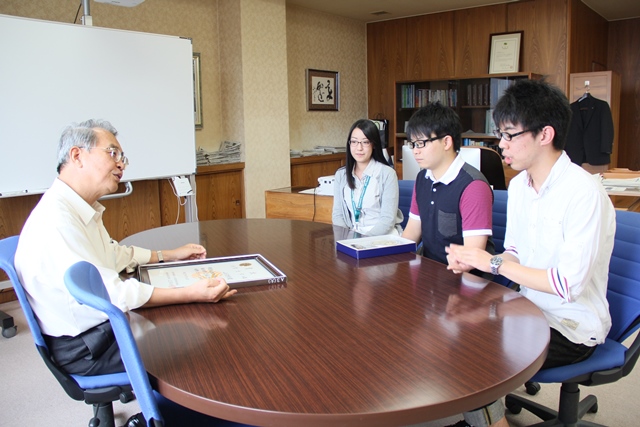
(238, 271)
(505, 52)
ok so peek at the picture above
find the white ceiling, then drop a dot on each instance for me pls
(363, 10)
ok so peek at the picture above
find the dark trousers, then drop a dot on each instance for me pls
(93, 352)
(564, 352)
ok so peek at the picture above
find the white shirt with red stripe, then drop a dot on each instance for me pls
(567, 228)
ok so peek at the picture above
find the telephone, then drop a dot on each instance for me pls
(325, 187)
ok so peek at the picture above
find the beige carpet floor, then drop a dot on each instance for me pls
(30, 396)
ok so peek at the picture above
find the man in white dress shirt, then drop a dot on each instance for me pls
(560, 229)
(66, 227)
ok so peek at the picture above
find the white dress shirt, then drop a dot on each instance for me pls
(567, 228)
(62, 230)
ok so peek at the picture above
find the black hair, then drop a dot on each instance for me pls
(438, 119)
(534, 104)
(372, 133)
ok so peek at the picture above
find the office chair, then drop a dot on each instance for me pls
(491, 167)
(85, 284)
(405, 193)
(490, 164)
(612, 360)
(9, 329)
(97, 390)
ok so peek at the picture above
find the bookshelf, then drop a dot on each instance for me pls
(471, 96)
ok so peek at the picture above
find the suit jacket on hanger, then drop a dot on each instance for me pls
(590, 137)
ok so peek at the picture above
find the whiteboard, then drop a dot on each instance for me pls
(54, 74)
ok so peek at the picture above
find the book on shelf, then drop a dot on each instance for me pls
(416, 98)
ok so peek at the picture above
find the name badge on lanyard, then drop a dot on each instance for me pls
(358, 209)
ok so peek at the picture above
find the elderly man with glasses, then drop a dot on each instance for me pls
(66, 227)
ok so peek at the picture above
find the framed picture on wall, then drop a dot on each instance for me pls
(197, 91)
(323, 90)
(505, 52)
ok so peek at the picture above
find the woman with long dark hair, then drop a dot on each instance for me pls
(366, 198)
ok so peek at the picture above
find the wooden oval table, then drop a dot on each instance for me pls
(386, 341)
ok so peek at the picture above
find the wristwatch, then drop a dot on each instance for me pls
(496, 262)
(160, 257)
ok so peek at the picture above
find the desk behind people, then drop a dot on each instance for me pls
(384, 341)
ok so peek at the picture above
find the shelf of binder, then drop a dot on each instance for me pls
(416, 98)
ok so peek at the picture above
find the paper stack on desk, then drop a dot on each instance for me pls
(229, 152)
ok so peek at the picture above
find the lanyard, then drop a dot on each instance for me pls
(358, 209)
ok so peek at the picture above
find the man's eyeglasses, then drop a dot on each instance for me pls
(116, 155)
(420, 143)
(508, 136)
(364, 142)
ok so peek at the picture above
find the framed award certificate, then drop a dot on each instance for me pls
(505, 52)
(238, 271)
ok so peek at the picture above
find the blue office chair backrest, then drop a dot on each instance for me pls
(405, 187)
(94, 389)
(623, 291)
(499, 217)
(85, 284)
(8, 248)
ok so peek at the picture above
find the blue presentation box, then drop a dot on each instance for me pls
(369, 247)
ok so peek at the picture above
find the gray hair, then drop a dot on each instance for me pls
(81, 135)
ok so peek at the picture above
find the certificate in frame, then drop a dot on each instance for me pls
(505, 52)
(238, 271)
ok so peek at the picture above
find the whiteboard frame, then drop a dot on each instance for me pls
(53, 74)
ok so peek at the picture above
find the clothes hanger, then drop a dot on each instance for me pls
(586, 93)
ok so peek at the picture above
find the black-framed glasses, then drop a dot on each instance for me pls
(116, 155)
(508, 136)
(364, 142)
(420, 143)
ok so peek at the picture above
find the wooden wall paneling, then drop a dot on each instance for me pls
(430, 49)
(588, 39)
(473, 28)
(14, 211)
(387, 48)
(379, 73)
(624, 58)
(545, 38)
(137, 212)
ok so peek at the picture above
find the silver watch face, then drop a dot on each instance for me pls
(495, 263)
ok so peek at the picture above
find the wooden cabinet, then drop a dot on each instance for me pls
(604, 85)
(305, 171)
(219, 194)
(472, 97)
(289, 203)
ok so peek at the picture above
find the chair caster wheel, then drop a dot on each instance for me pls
(532, 388)
(10, 332)
(594, 408)
(514, 408)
